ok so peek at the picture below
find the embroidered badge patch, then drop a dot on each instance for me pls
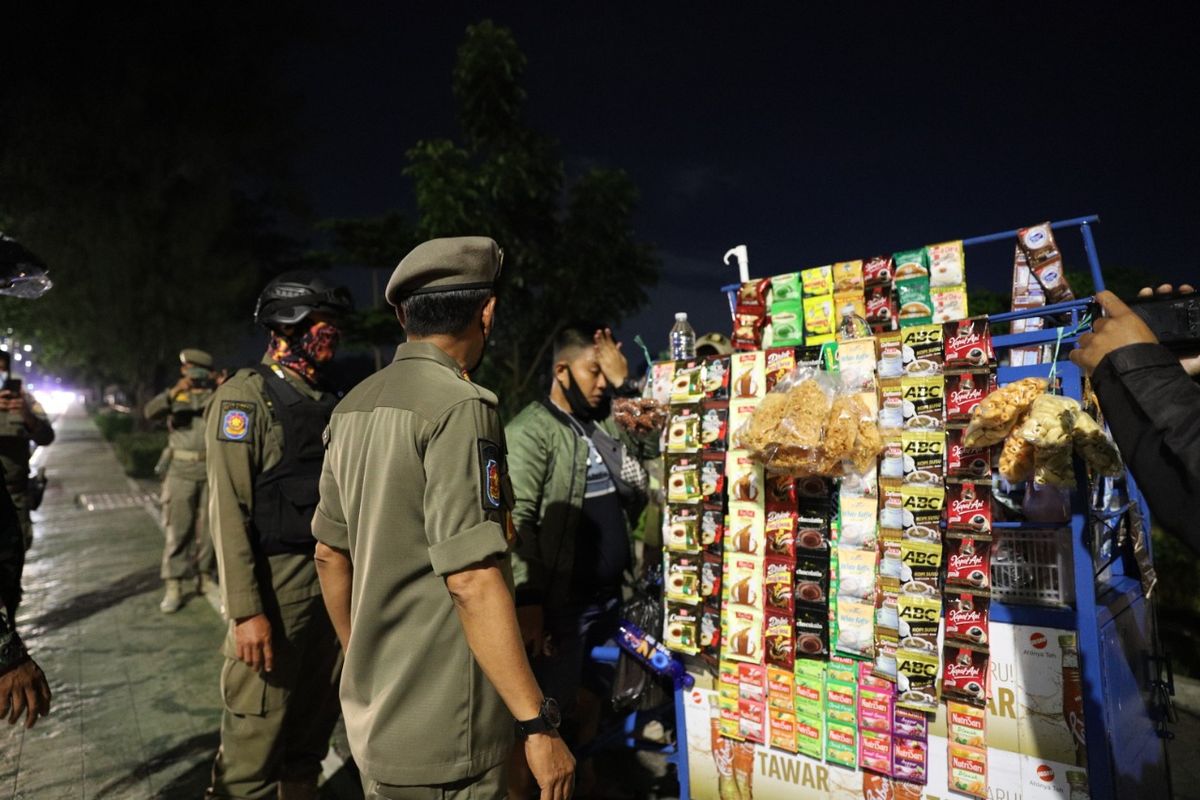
(489, 479)
(237, 422)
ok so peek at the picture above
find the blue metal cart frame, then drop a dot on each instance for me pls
(1120, 662)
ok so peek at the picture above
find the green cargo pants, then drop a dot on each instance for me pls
(276, 726)
(185, 520)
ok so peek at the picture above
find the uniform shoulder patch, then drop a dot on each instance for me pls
(490, 460)
(237, 421)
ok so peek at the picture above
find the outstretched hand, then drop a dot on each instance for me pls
(610, 358)
(1119, 327)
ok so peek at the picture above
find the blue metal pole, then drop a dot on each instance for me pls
(681, 745)
(997, 237)
(1089, 245)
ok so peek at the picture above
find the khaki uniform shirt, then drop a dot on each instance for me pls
(186, 439)
(15, 437)
(414, 488)
(250, 580)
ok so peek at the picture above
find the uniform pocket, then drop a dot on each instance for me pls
(243, 690)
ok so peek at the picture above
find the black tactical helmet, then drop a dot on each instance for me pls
(292, 296)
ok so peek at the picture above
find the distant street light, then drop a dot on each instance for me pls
(28, 348)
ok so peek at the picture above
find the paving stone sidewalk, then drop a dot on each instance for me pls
(136, 710)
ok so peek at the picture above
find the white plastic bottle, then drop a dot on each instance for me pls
(683, 338)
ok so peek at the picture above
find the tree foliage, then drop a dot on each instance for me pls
(140, 157)
(570, 247)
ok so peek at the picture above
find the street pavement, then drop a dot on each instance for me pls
(136, 706)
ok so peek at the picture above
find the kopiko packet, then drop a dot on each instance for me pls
(969, 507)
(965, 391)
(967, 462)
(877, 270)
(965, 675)
(968, 561)
(712, 529)
(968, 343)
(682, 528)
(781, 532)
(966, 618)
(778, 638)
(811, 580)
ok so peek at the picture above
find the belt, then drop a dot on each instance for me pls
(187, 456)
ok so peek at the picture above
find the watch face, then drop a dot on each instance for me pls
(551, 712)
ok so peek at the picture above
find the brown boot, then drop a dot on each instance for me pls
(298, 790)
(173, 598)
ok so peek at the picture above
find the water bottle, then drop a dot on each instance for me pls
(683, 338)
(852, 326)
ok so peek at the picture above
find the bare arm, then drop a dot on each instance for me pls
(336, 573)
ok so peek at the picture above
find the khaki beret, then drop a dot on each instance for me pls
(191, 355)
(445, 265)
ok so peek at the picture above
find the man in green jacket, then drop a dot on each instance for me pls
(578, 487)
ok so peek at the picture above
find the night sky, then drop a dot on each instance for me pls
(810, 139)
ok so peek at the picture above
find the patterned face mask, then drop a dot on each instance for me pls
(307, 352)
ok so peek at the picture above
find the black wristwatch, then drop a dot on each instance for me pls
(548, 719)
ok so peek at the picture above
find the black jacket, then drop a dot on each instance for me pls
(1152, 408)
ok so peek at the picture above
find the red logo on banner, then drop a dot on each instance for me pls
(1038, 640)
(1045, 773)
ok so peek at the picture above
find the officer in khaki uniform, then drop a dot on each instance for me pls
(282, 660)
(413, 553)
(185, 488)
(23, 421)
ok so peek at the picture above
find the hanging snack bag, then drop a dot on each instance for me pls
(946, 264)
(746, 529)
(998, 413)
(716, 378)
(911, 264)
(682, 628)
(714, 424)
(1045, 261)
(817, 281)
(748, 324)
(916, 303)
(682, 528)
(683, 479)
(753, 294)
(965, 675)
(683, 429)
(966, 618)
(877, 271)
(819, 319)
(949, 303)
(712, 529)
(1095, 447)
(682, 582)
(785, 288)
(968, 562)
(848, 277)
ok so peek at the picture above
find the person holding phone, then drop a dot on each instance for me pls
(22, 421)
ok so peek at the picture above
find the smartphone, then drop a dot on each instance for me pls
(12, 385)
(1174, 318)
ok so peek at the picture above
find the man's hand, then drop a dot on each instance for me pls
(24, 688)
(532, 621)
(252, 636)
(610, 358)
(1189, 361)
(552, 765)
(1118, 328)
(181, 385)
